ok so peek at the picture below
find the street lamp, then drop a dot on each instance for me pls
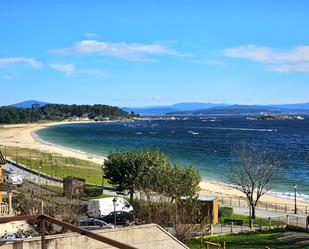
(295, 191)
(115, 203)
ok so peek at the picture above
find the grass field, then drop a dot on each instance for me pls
(258, 221)
(56, 165)
(272, 239)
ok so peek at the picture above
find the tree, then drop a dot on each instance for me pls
(135, 169)
(150, 171)
(252, 172)
(181, 181)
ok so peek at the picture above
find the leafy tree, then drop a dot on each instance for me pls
(181, 181)
(150, 171)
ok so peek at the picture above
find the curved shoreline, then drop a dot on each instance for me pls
(41, 140)
(23, 135)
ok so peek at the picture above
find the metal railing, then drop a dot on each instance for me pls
(44, 218)
(273, 206)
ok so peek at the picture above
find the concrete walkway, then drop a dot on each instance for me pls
(42, 179)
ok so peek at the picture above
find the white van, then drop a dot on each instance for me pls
(100, 207)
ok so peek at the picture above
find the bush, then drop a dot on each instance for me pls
(225, 211)
(93, 191)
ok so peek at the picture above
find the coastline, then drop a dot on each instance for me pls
(23, 135)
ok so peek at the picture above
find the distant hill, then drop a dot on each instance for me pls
(245, 109)
(29, 103)
(163, 110)
(59, 112)
(302, 106)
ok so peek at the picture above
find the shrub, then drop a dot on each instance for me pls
(93, 191)
(225, 211)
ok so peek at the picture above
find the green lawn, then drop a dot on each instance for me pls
(258, 221)
(56, 165)
(253, 240)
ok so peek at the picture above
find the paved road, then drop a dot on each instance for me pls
(292, 219)
(41, 179)
(37, 179)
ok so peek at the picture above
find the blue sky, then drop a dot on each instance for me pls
(137, 53)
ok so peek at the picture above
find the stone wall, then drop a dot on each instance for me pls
(143, 236)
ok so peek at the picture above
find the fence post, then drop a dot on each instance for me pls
(285, 208)
(201, 243)
(288, 219)
(42, 231)
(307, 222)
(276, 207)
(232, 225)
(211, 229)
(269, 222)
(297, 221)
(278, 222)
(223, 244)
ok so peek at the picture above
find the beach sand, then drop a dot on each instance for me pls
(22, 135)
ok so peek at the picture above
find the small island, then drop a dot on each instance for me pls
(279, 117)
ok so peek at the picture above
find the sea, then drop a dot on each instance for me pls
(204, 142)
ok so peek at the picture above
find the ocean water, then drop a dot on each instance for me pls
(204, 143)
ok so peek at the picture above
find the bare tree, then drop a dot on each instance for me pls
(252, 172)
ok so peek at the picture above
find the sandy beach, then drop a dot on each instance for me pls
(22, 135)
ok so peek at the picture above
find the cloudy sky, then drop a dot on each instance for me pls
(137, 53)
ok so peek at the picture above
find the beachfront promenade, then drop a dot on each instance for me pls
(240, 205)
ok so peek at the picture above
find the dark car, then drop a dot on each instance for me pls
(92, 224)
(122, 218)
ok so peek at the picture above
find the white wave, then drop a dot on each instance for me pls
(237, 129)
(290, 195)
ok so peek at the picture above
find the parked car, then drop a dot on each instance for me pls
(98, 208)
(15, 179)
(92, 224)
(20, 235)
(122, 218)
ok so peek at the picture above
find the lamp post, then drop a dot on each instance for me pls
(115, 203)
(295, 191)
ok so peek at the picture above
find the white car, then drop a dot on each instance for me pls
(15, 179)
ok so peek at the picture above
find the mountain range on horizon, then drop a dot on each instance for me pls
(196, 108)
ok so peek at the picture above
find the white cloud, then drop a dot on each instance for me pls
(65, 68)
(91, 35)
(32, 62)
(128, 51)
(292, 60)
(286, 68)
(7, 77)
